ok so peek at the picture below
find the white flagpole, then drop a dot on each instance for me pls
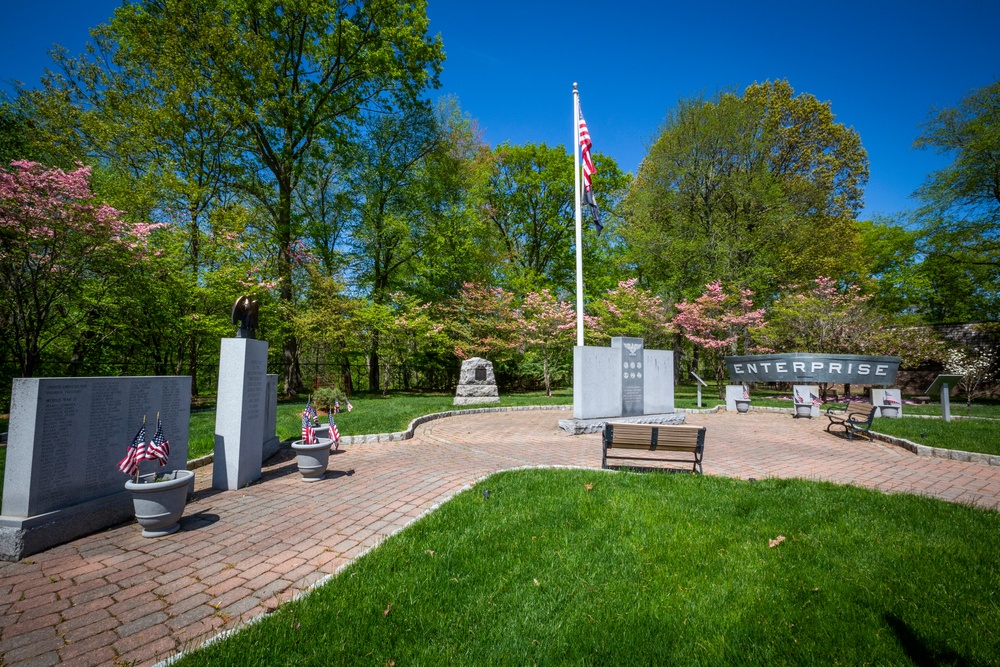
(579, 223)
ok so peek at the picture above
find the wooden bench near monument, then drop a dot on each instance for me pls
(667, 440)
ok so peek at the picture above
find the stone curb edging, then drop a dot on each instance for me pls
(400, 435)
(939, 452)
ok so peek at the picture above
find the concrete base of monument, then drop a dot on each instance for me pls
(581, 426)
(474, 400)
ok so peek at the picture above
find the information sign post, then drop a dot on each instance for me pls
(942, 383)
(701, 383)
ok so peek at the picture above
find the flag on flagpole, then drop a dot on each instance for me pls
(334, 433)
(159, 447)
(308, 434)
(588, 171)
(136, 452)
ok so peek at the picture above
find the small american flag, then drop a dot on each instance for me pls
(798, 398)
(334, 433)
(308, 434)
(588, 170)
(336, 405)
(349, 406)
(159, 448)
(136, 452)
(891, 400)
(746, 394)
(311, 412)
(814, 399)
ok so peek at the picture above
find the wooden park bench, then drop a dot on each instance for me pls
(853, 422)
(670, 440)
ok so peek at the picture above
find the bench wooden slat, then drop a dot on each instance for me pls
(657, 438)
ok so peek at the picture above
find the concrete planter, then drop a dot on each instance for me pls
(888, 410)
(312, 459)
(803, 410)
(742, 405)
(159, 505)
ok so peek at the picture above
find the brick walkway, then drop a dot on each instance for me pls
(116, 596)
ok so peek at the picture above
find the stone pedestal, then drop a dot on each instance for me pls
(240, 410)
(888, 401)
(476, 383)
(803, 396)
(271, 442)
(736, 392)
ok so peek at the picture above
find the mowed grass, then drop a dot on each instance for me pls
(967, 435)
(562, 567)
(371, 414)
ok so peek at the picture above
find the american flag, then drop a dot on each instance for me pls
(334, 433)
(349, 406)
(798, 398)
(308, 434)
(890, 399)
(159, 448)
(814, 399)
(136, 452)
(311, 413)
(588, 171)
(336, 405)
(746, 394)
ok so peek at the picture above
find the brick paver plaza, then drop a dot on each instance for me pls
(116, 596)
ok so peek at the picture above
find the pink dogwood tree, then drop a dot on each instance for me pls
(716, 322)
(58, 246)
(548, 330)
(628, 310)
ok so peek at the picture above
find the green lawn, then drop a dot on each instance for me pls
(371, 414)
(967, 435)
(654, 569)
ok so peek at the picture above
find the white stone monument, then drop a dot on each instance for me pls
(622, 381)
(476, 383)
(66, 438)
(734, 393)
(240, 413)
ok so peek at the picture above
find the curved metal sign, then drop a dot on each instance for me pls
(813, 368)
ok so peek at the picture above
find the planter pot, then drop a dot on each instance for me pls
(159, 505)
(312, 459)
(742, 406)
(889, 410)
(803, 410)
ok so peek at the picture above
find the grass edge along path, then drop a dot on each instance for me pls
(584, 567)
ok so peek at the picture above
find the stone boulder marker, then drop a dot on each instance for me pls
(476, 384)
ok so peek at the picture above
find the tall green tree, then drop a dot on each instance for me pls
(961, 203)
(754, 189)
(290, 78)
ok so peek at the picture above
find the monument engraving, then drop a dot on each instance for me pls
(66, 438)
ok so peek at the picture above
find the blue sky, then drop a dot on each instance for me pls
(881, 65)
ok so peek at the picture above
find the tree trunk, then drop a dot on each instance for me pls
(545, 374)
(373, 364)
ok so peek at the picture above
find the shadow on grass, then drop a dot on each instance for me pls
(918, 650)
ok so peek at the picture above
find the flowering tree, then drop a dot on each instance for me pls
(825, 317)
(548, 328)
(482, 321)
(716, 321)
(630, 311)
(56, 246)
(976, 368)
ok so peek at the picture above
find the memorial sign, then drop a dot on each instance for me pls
(66, 437)
(624, 380)
(800, 368)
